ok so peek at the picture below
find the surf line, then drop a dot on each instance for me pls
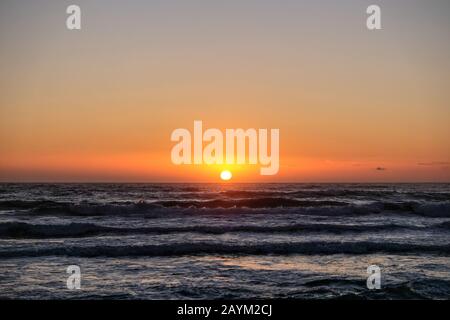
(232, 150)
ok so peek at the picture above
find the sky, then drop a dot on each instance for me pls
(99, 104)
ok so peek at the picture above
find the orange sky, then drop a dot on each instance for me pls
(100, 104)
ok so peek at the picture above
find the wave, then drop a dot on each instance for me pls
(414, 289)
(346, 193)
(307, 193)
(22, 230)
(95, 209)
(436, 209)
(183, 249)
(264, 205)
(262, 202)
(27, 204)
(444, 225)
(45, 206)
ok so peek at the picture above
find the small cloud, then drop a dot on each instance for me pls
(434, 163)
(380, 169)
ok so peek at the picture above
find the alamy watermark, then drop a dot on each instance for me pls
(230, 148)
(73, 21)
(74, 280)
(373, 22)
(374, 279)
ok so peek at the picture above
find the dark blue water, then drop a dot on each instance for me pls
(193, 241)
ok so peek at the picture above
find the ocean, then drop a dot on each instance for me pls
(224, 241)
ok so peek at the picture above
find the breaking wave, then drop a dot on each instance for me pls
(241, 206)
(22, 230)
(183, 249)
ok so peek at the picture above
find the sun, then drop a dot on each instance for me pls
(225, 175)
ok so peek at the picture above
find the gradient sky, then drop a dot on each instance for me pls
(100, 104)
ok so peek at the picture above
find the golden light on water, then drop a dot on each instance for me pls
(226, 175)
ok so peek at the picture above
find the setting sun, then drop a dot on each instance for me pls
(225, 175)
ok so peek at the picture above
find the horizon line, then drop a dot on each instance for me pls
(224, 183)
